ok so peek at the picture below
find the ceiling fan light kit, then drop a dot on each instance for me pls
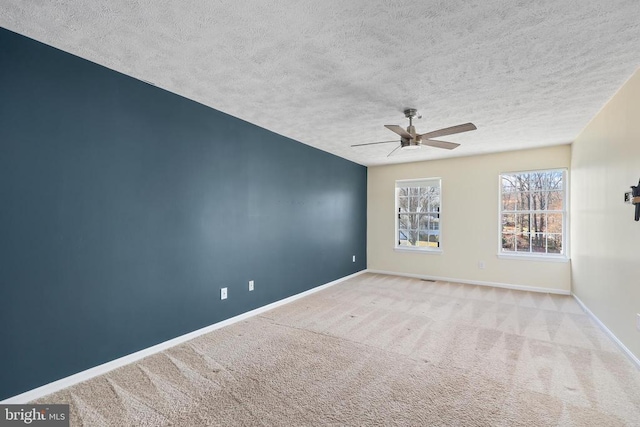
(411, 140)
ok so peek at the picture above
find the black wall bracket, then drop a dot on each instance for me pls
(633, 197)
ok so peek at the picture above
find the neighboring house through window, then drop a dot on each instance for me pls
(418, 212)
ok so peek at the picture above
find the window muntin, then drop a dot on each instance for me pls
(418, 214)
(533, 213)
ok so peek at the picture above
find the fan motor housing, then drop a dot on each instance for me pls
(409, 143)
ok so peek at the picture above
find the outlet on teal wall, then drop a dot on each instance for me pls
(125, 208)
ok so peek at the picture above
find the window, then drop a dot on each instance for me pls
(418, 214)
(533, 213)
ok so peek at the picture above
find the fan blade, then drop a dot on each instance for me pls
(440, 144)
(374, 143)
(394, 150)
(399, 130)
(449, 131)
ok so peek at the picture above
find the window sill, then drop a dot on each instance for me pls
(530, 257)
(432, 251)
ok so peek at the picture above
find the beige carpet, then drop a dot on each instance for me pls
(380, 350)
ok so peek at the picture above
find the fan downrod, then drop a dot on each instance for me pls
(411, 113)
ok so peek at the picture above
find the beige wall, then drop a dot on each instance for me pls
(605, 238)
(469, 220)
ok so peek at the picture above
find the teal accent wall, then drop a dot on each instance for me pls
(125, 208)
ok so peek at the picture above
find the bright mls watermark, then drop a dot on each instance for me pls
(34, 415)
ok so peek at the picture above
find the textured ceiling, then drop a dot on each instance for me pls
(332, 73)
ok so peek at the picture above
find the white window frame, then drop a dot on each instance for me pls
(537, 256)
(418, 182)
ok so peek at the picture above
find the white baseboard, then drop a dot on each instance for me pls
(606, 330)
(475, 282)
(47, 389)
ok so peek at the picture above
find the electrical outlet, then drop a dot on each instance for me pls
(481, 265)
(638, 321)
(354, 258)
(223, 293)
(250, 285)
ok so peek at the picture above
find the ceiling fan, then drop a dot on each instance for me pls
(410, 140)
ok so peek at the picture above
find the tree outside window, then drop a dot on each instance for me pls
(532, 212)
